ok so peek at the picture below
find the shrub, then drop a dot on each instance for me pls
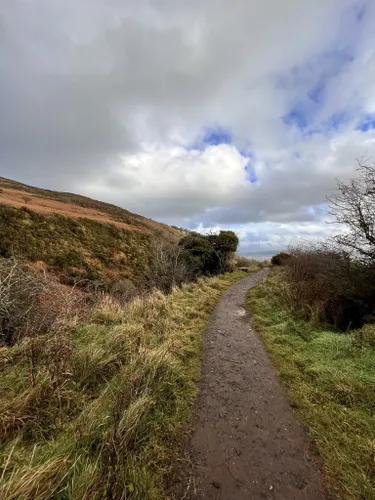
(325, 284)
(32, 305)
(123, 291)
(280, 259)
(209, 255)
(18, 296)
(168, 269)
(199, 255)
(71, 258)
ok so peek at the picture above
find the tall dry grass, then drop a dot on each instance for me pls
(99, 412)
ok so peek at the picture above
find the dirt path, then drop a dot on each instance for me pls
(246, 442)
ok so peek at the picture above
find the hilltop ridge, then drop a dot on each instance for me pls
(76, 237)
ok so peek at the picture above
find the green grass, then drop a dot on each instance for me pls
(75, 249)
(97, 411)
(331, 378)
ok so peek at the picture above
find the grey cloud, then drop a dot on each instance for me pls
(86, 83)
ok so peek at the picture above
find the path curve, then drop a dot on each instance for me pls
(246, 442)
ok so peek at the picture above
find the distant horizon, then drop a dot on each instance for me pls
(266, 253)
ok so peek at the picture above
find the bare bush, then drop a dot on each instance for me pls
(31, 305)
(18, 295)
(169, 268)
(124, 291)
(327, 285)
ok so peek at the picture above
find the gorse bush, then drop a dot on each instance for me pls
(280, 259)
(208, 255)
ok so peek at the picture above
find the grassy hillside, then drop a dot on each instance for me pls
(95, 410)
(76, 237)
(331, 377)
(115, 213)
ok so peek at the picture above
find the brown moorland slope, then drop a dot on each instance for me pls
(76, 237)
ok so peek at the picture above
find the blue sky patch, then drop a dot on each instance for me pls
(211, 137)
(318, 72)
(335, 121)
(316, 94)
(217, 137)
(368, 123)
(297, 117)
(251, 175)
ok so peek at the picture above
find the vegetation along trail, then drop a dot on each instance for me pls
(246, 442)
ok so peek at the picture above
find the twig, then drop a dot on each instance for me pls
(187, 489)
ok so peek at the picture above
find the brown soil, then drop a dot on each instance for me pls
(246, 442)
(20, 199)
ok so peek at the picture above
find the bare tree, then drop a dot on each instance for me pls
(353, 205)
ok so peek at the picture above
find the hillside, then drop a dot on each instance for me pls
(74, 236)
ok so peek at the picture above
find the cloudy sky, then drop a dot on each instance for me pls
(203, 113)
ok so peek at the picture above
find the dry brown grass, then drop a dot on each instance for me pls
(100, 412)
(18, 199)
(110, 212)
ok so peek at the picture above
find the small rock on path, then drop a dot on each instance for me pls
(246, 442)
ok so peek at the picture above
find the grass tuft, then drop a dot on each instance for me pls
(106, 422)
(331, 378)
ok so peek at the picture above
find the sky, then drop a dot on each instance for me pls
(205, 114)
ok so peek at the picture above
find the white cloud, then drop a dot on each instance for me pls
(175, 182)
(106, 98)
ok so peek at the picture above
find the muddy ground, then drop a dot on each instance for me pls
(246, 442)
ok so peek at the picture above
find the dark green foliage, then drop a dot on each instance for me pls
(225, 242)
(71, 258)
(280, 259)
(199, 254)
(209, 255)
